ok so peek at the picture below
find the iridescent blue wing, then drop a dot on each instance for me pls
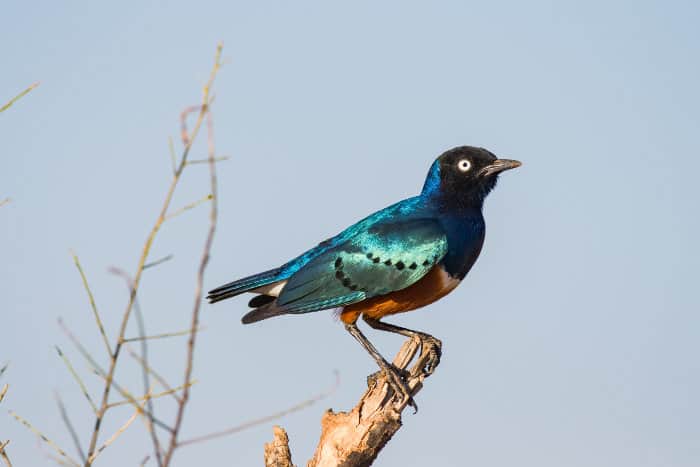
(387, 257)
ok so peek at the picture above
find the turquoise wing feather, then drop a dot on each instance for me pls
(386, 257)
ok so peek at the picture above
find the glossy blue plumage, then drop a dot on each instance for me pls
(390, 250)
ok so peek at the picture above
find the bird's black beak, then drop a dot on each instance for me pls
(498, 166)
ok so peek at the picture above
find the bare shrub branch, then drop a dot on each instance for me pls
(188, 139)
(213, 212)
(164, 444)
(145, 373)
(18, 97)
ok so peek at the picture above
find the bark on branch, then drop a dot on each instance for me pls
(355, 438)
(277, 451)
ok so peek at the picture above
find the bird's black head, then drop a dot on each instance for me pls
(463, 176)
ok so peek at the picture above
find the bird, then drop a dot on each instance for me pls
(398, 259)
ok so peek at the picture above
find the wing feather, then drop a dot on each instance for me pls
(387, 257)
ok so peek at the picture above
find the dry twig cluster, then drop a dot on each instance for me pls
(143, 405)
(165, 437)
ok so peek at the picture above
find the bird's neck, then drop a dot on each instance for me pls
(463, 222)
(457, 205)
(465, 236)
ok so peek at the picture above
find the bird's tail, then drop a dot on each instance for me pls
(266, 311)
(244, 285)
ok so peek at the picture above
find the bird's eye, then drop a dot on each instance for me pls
(464, 165)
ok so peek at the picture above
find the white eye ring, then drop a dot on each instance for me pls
(464, 165)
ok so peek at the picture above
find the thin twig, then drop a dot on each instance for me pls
(99, 371)
(18, 97)
(206, 161)
(265, 419)
(152, 372)
(134, 401)
(187, 207)
(150, 409)
(150, 419)
(157, 262)
(93, 305)
(117, 434)
(4, 369)
(3, 453)
(161, 336)
(154, 396)
(69, 425)
(144, 256)
(184, 136)
(200, 273)
(43, 437)
(173, 157)
(81, 349)
(57, 460)
(77, 378)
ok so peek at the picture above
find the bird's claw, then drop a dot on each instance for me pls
(433, 348)
(395, 378)
(400, 387)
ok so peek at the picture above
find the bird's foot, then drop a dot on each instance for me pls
(374, 378)
(394, 377)
(400, 387)
(431, 347)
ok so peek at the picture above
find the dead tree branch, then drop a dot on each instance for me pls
(355, 438)
(277, 451)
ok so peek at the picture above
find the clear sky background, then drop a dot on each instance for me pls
(573, 342)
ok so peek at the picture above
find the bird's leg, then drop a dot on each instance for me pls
(394, 379)
(429, 344)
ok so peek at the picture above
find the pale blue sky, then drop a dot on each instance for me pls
(574, 340)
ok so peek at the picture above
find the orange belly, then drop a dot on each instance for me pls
(433, 286)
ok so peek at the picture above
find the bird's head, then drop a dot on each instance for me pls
(464, 176)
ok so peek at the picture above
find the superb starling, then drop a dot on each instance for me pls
(401, 258)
